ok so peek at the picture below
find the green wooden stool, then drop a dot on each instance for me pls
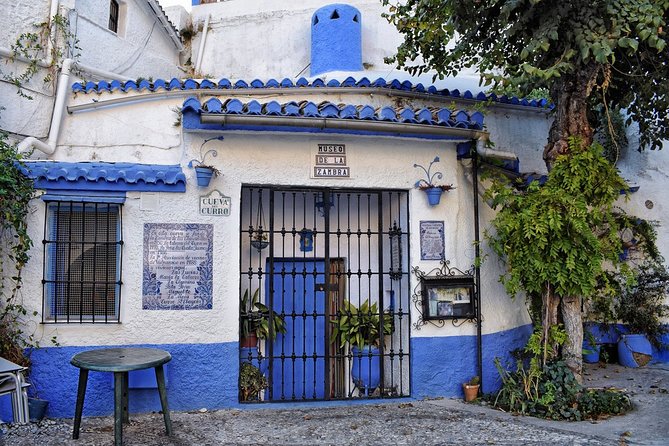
(120, 361)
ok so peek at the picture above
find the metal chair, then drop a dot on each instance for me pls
(13, 382)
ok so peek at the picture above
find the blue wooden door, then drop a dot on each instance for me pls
(297, 357)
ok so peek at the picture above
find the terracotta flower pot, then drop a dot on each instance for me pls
(471, 391)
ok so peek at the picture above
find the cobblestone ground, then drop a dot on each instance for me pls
(419, 422)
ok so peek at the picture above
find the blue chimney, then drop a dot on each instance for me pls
(336, 39)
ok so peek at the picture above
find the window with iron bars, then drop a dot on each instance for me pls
(82, 262)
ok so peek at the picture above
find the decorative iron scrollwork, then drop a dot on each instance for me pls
(446, 272)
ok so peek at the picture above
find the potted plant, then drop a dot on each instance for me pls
(251, 382)
(433, 191)
(359, 328)
(204, 172)
(640, 306)
(259, 239)
(471, 388)
(255, 320)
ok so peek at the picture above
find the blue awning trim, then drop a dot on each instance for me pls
(192, 109)
(349, 82)
(101, 176)
(79, 196)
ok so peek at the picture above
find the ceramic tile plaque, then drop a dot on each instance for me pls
(177, 273)
(431, 240)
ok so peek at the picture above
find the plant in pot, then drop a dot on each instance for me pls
(471, 388)
(255, 324)
(640, 306)
(432, 190)
(203, 171)
(251, 382)
(360, 329)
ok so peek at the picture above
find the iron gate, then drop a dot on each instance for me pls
(324, 296)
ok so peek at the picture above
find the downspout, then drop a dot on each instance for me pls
(56, 116)
(198, 60)
(477, 260)
(482, 150)
(59, 105)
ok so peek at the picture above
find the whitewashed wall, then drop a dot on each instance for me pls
(141, 48)
(144, 133)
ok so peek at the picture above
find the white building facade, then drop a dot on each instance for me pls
(319, 145)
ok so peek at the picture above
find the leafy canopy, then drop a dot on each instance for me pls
(535, 43)
(557, 235)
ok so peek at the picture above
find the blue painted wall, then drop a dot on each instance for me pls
(440, 365)
(336, 39)
(206, 375)
(199, 375)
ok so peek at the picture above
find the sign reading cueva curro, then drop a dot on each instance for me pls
(330, 162)
(215, 204)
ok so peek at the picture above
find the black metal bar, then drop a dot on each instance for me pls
(270, 298)
(380, 267)
(117, 293)
(328, 284)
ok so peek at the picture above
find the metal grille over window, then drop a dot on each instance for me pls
(113, 15)
(324, 298)
(82, 262)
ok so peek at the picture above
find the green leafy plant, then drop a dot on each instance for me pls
(640, 305)
(255, 317)
(474, 381)
(360, 326)
(251, 382)
(552, 391)
(16, 191)
(55, 36)
(556, 237)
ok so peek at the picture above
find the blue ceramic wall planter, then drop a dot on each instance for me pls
(203, 175)
(433, 191)
(204, 172)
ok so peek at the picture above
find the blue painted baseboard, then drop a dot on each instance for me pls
(199, 375)
(440, 365)
(206, 375)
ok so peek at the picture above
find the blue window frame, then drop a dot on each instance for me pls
(82, 262)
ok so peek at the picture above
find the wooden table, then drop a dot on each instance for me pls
(120, 361)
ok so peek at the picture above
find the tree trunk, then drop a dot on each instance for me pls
(550, 318)
(571, 94)
(572, 350)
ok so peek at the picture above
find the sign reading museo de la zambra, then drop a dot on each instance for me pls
(215, 203)
(330, 162)
(177, 273)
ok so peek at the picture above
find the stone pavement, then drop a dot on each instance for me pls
(445, 422)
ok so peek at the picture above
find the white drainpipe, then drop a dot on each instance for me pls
(482, 150)
(198, 60)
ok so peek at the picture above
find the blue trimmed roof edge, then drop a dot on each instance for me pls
(103, 176)
(423, 116)
(349, 82)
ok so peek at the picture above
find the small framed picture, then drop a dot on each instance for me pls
(448, 297)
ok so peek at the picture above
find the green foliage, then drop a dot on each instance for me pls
(619, 45)
(552, 391)
(640, 304)
(360, 326)
(33, 46)
(557, 235)
(255, 317)
(251, 382)
(16, 191)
